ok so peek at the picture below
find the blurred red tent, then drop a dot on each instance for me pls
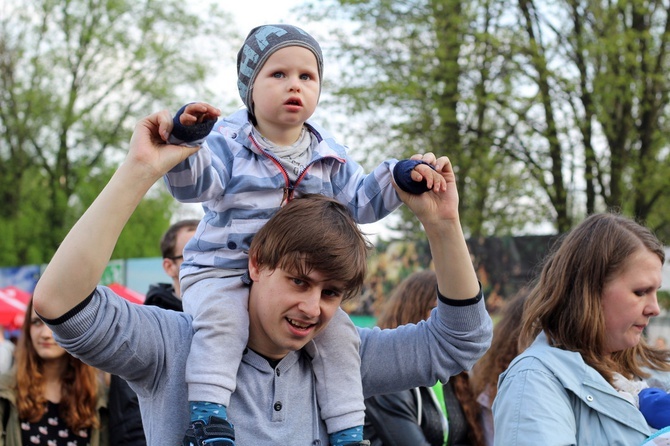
(13, 305)
(128, 294)
(17, 293)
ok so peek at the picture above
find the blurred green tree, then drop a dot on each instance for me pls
(549, 110)
(74, 77)
(428, 76)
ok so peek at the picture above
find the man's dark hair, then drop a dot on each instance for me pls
(314, 233)
(169, 239)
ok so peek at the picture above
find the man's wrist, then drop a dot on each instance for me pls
(442, 228)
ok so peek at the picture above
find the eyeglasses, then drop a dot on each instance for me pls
(176, 258)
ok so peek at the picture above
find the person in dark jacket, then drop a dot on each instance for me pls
(125, 421)
(168, 295)
(440, 415)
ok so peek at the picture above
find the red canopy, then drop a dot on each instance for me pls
(128, 294)
(13, 305)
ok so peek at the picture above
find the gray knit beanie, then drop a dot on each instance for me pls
(260, 44)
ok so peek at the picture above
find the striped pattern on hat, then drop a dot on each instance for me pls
(260, 44)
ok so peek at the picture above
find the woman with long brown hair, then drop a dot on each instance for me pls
(50, 397)
(582, 340)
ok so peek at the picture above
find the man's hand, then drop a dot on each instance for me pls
(440, 203)
(89, 245)
(148, 147)
(438, 212)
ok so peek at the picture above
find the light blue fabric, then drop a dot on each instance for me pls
(148, 347)
(660, 437)
(241, 187)
(549, 396)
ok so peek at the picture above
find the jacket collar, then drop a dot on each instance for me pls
(584, 383)
(238, 126)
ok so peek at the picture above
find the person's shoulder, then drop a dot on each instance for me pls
(163, 295)
(551, 363)
(231, 133)
(160, 287)
(325, 142)
(235, 121)
(7, 385)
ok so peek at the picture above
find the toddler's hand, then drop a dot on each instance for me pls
(198, 112)
(434, 177)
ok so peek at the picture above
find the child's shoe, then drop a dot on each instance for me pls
(218, 432)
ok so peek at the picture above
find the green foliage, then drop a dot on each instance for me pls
(74, 77)
(427, 76)
(140, 237)
(24, 233)
(663, 299)
(143, 231)
(548, 110)
(594, 131)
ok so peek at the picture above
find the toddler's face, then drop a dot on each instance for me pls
(286, 90)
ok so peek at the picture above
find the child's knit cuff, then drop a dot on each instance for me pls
(402, 175)
(189, 135)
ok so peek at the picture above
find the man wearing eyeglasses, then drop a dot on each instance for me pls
(168, 295)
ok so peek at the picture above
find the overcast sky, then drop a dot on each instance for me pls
(250, 13)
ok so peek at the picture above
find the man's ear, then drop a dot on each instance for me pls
(254, 270)
(170, 268)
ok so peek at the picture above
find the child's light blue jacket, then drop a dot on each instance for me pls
(241, 186)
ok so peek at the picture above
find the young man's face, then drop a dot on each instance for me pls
(286, 90)
(287, 310)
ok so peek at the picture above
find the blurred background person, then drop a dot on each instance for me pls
(443, 415)
(504, 348)
(168, 295)
(125, 419)
(49, 397)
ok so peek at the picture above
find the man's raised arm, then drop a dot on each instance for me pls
(78, 264)
(438, 212)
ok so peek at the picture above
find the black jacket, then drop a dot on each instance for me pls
(393, 419)
(162, 295)
(125, 420)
